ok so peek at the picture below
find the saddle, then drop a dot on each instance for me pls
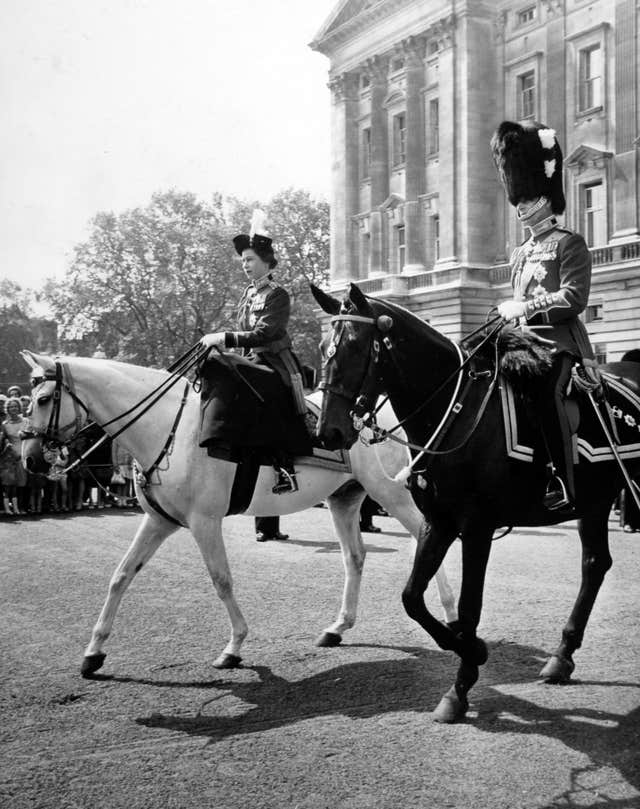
(616, 386)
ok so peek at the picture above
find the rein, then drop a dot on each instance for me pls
(64, 380)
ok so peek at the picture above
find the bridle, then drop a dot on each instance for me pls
(55, 436)
(362, 414)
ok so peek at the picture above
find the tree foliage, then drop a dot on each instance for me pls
(19, 329)
(148, 282)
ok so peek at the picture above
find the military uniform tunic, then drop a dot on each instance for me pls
(551, 271)
(263, 316)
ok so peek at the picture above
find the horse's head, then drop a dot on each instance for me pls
(56, 413)
(351, 375)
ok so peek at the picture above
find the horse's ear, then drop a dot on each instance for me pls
(358, 299)
(326, 302)
(37, 361)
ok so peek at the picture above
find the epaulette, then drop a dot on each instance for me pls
(565, 230)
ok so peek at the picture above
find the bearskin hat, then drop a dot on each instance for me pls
(257, 240)
(529, 160)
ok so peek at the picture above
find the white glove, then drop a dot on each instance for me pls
(216, 339)
(511, 310)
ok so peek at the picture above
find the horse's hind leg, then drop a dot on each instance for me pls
(596, 561)
(150, 535)
(208, 534)
(344, 507)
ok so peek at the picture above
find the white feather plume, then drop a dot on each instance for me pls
(547, 138)
(258, 223)
(549, 167)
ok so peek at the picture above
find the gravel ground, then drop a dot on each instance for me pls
(299, 726)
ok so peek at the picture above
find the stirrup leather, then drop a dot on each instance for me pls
(285, 481)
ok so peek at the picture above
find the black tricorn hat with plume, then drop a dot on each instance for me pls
(529, 161)
(257, 239)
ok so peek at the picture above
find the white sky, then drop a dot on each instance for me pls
(106, 101)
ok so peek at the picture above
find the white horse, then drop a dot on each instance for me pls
(193, 489)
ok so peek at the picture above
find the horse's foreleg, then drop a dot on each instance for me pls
(472, 649)
(345, 513)
(150, 535)
(208, 534)
(596, 561)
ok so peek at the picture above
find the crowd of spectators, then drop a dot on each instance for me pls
(103, 481)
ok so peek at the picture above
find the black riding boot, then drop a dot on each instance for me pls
(560, 492)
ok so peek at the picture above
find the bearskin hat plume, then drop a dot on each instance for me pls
(529, 161)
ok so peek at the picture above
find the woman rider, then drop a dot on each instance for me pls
(263, 317)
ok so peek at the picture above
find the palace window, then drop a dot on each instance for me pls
(526, 15)
(527, 95)
(594, 312)
(365, 81)
(436, 238)
(590, 78)
(366, 153)
(600, 352)
(401, 247)
(397, 64)
(594, 214)
(434, 126)
(399, 139)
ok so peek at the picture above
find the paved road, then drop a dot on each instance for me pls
(299, 726)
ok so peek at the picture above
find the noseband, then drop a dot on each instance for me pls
(54, 433)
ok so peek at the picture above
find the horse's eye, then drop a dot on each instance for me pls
(42, 400)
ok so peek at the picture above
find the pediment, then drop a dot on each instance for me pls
(585, 155)
(349, 16)
(391, 202)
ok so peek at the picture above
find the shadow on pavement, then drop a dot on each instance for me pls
(415, 683)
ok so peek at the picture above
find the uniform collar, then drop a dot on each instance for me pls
(543, 227)
(262, 282)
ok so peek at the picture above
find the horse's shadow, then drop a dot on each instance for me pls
(333, 547)
(414, 682)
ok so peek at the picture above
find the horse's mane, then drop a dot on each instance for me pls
(409, 320)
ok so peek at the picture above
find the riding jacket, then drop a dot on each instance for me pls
(551, 271)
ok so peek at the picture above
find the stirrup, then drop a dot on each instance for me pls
(556, 495)
(286, 481)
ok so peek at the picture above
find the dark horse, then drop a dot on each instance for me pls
(464, 483)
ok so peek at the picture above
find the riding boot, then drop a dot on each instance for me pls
(560, 491)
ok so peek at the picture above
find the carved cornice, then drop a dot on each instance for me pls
(344, 87)
(444, 31)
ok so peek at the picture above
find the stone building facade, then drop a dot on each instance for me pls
(417, 89)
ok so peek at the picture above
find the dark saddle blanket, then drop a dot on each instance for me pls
(247, 408)
(621, 382)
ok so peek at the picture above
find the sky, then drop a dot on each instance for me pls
(105, 102)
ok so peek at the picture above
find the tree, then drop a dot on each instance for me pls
(149, 282)
(19, 329)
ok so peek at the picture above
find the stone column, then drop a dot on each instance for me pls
(344, 184)
(378, 68)
(413, 49)
(448, 156)
(626, 71)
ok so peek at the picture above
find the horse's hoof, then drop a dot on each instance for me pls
(450, 708)
(227, 661)
(329, 639)
(91, 664)
(557, 670)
